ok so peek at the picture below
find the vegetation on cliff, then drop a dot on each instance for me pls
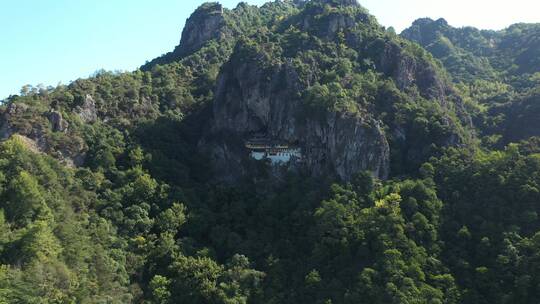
(111, 188)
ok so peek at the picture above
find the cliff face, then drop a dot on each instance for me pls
(256, 99)
(508, 58)
(262, 90)
(409, 71)
(37, 134)
(205, 24)
(407, 66)
(425, 30)
(326, 23)
(322, 76)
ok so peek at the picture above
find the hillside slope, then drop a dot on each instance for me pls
(173, 183)
(499, 70)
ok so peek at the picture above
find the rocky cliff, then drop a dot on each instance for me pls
(47, 131)
(262, 90)
(321, 76)
(255, 99)
(205, 24)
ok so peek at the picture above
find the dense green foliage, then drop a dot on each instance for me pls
(106, 198)
(498, 73)
(470, 54)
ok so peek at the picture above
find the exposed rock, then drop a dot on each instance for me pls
(425, 30)
(12, 110)
(39, 145)
(407, 71)
(327, 25)
(251, 99)
(59, 124)
(29, 143)
(205, 24)
(337, 22)
(5, 129)
(71, 160)
(87, 112)
(16, 108)
(36, 136)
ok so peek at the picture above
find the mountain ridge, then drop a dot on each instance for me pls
(507, 59)
(297, 152)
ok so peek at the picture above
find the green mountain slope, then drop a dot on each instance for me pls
(499, 70)
(139, 187)
(470, 54)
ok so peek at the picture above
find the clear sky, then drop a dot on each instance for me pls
(52, 41)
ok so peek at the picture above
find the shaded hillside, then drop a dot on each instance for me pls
(469, 53)
(331, 80)
(500, 72)
(141, 187)
(303, 73)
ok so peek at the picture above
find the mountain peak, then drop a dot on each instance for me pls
(203, 25)
(209, 8)
(429, 21)
(442, 21)
(341, 2)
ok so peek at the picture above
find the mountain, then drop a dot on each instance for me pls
(469, 53)
(502, 66)
(300, 84)
(297, 152)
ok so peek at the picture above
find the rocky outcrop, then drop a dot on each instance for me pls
(87, 112)
(5, 130)
(12, 110)
(252, 98)
(405, 64)
(326, 25)
(36, 133)
(407, 71)
(205, 24)
(57, 122)
(29, 143)
(425, 30)
(417, 72)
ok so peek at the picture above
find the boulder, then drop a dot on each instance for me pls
(59, 124)
(87, 112)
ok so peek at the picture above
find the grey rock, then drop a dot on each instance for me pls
(59, 124)
(251, 99)
(6, 126)
(5, 130)
(205, 24)
(329, 24)
(16, 108)
(35, 138)
(408, 71)
(87, 112)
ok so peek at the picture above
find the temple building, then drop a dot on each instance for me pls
(261, 148)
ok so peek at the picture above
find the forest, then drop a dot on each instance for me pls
(112, 187)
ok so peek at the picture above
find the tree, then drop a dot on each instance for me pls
(23, 198)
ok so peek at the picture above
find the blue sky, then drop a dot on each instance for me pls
(52, 41)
